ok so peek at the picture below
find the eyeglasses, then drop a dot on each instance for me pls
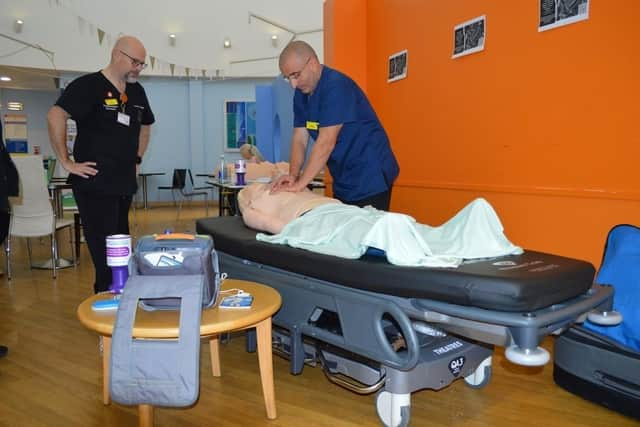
(296, 74)
(135, 62)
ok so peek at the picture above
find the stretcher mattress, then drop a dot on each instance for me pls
(515, 283)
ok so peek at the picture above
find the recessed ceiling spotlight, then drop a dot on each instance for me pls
(172, 39)
(226, 43)
(274, 40)
(5, 78)
(17, 25)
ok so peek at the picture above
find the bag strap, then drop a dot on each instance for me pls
(157, 372)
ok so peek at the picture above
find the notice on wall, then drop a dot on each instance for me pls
(398, 66)
(469, 36)
(556, 13)
(15, 126)
(15, 133)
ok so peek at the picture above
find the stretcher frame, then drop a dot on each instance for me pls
(443, 341)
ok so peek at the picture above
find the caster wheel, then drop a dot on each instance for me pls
(526, 357)
(605, 318)
(394, 410)
(481, 376)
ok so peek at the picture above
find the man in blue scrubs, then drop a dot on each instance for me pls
(331, 108)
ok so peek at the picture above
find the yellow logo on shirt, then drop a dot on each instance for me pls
(110, 101)
(313, 125)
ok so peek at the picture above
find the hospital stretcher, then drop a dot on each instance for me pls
(374, 326)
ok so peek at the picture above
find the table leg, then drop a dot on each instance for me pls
(220, 201)
(144, 191)
(234, 204)
(263, 333)
(106, 356)
(214, 347)
(145, 415)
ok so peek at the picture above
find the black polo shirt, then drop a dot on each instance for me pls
(94, 103)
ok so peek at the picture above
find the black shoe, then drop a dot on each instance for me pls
(3, 350)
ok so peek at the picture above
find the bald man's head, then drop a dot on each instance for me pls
(128, 58)
(299, 65)
(296, 48)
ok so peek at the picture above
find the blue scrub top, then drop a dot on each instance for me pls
(361, 163)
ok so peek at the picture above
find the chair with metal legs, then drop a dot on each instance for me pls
(182, 186)
(32, 214)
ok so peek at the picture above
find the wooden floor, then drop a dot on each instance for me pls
(52, 374)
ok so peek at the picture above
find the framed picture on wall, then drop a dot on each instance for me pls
(239, 124)
(469, 36)
(398, 66)
(556, 13)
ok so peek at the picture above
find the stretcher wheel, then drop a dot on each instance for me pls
(481, 376)
(527, 357)
(394, 410)
(605, 318)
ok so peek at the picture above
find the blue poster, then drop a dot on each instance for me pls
(240, 124)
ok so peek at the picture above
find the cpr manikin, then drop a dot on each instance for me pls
(264, 211)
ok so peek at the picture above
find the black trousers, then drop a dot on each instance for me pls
(4, 225)
(102, 215)
(380, 201)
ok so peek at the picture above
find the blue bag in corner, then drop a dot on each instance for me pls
(621, 269)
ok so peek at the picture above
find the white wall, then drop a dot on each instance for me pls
(69, 29)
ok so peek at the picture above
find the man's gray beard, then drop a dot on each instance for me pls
(131, 79)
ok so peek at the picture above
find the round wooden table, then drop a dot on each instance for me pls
(215, 321)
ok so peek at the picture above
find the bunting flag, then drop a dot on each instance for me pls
(86, 27)
(100, 36)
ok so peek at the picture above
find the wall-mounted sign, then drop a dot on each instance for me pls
(398, 66)
(556, 13)
(469, 36)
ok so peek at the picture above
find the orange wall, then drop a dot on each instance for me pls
(543, 125)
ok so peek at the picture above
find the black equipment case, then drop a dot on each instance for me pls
(598, 369)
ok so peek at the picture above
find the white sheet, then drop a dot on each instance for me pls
(347, 231)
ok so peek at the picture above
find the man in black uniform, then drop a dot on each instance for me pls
(113, 119)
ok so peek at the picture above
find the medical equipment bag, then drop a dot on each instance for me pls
(602, 363)
(174, 255)
(162, 372)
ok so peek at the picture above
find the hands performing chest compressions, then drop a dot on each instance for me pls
(330, 108)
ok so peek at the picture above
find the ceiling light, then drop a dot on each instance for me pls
(172, 39)
(226, 43)
(17, 25)
(274, 40)
(15, 106)
(5, 78)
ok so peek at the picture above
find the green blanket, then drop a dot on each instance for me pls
(348, 231)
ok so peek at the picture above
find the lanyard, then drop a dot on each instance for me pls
(123, 101)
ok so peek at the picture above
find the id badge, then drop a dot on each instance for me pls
(124, 119)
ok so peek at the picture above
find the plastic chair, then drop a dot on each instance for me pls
(185, 189)
(32, 214)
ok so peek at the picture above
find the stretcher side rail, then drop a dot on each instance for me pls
(526, 329)
(520, 332)
(360, 314)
